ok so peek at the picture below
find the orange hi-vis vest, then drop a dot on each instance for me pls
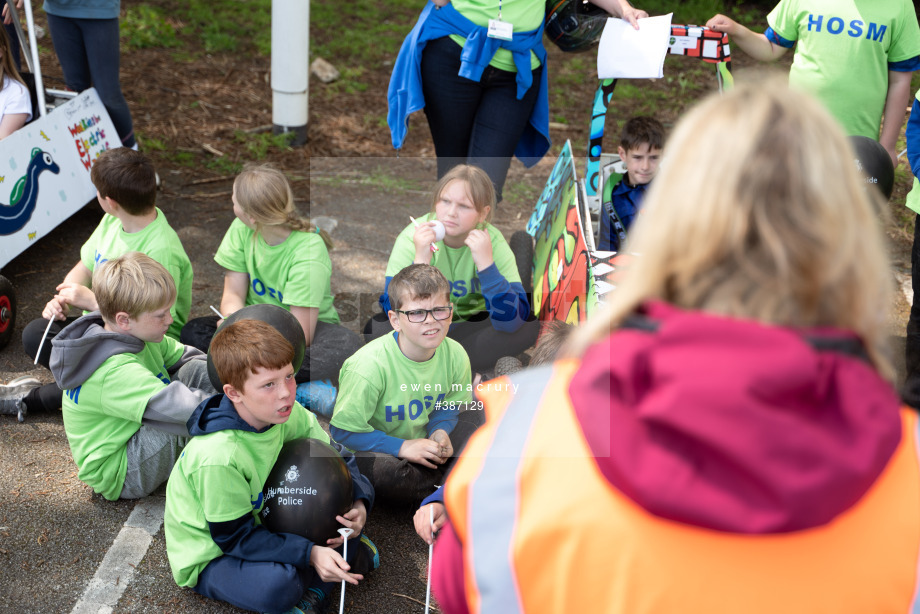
(543, 531)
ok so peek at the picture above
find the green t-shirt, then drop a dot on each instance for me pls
(843, 50)
(159, 241)
(296, 272)
(457, 266)
(524, 15)
(220, 477)
(103, 413)
(380, 389)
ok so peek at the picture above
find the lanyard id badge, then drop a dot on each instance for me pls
(499, 29)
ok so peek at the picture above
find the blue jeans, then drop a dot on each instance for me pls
(473, 122)
(89, 55)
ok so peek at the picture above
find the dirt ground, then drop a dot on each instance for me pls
(53, 530)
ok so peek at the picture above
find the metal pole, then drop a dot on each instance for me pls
(290, 67)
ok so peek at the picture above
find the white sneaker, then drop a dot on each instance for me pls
(13, 393)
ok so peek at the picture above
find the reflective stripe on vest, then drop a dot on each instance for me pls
(497, 487)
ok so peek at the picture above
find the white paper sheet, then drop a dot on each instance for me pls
(627, 53)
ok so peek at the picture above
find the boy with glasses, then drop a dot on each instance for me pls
(401, 395)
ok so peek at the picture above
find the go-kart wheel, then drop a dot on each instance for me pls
(7, 311)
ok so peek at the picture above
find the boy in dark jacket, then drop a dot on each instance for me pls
(214, 540)
(640, 150)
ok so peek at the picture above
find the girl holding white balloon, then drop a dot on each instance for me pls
(492, 315)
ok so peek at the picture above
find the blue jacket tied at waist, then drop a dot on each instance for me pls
(404, 94)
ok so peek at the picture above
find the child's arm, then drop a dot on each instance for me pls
(755, 44)
(423, 517)
(895, 103)
(308, 317)
(912, 135)
(236, 287)
(506, 301)
(420, 451)
(73, 291)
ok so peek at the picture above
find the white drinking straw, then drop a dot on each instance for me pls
(344, 533)
(434, 247)
(430, 551)
(42, 342)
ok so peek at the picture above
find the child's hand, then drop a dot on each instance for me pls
(354, 519)
(423, 238)
(721, 23)
(77, 295)
(481, 246)
(56, 309)
(425, 452)
(422, 521)
(330, 566)
(441, 437)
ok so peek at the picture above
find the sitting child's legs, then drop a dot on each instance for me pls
(33, 333)
(485, 345)
(258, 586)
(401, 481)
(281, 586)
(198, 332)
(378, 326)
(398, 480)
(331, 347)
(151, 456)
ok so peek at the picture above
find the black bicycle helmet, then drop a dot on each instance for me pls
(574, 25)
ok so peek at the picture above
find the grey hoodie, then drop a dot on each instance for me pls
(79, 350)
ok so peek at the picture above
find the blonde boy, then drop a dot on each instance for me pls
(129, 388)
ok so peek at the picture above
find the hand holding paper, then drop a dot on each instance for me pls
(626, 53)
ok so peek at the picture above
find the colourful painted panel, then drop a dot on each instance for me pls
(44, 170)
(562, 280)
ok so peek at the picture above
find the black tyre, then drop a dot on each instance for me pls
(522, 247)
(7, 311)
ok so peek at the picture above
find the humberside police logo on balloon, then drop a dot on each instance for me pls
(306, 489)
(287, 495)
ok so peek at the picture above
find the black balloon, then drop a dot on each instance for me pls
(308, 486)
(280, 318)
(874, 163)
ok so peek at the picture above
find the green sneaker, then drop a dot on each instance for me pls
(314, 601)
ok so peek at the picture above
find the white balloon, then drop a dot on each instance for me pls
(438, 230)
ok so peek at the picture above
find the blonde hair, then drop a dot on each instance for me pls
(478, 187)
(760, 214)
(264, 194)
(134, 283)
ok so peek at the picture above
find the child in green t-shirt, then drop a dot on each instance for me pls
(214, 539)
(400, 395)
(129, 388)
(126, 187)
(273, 255)
(492, 314)
(855, 57)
